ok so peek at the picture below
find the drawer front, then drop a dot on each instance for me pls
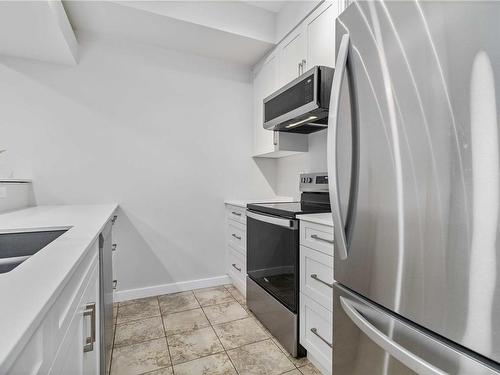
(236, 236)
(236, 213)
(316, 276)
(237, 269)
(317, 237)
(316, 330)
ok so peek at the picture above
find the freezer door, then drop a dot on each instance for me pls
(414, 147)
(368, 340)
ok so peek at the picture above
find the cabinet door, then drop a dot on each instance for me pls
(265, 83)
(71, 357)
(321, 35)
(292, 52)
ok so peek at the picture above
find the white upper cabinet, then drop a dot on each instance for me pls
(320, 31)
(267, 143)
(292, 55)
(311, 43)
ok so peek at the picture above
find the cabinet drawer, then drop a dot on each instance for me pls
(317, 237)
(237, 269)
(236, 213)
(236, 236)
(316, 331)
(316, 276)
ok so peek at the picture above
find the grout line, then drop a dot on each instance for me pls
(166, 340)
(216, 335)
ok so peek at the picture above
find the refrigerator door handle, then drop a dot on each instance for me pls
(406, 357)
(333, 119)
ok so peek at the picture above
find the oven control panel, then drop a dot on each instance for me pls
(311, 182)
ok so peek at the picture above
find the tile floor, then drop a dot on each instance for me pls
(200, 332)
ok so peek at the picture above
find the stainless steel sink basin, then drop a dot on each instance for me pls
(15, 248)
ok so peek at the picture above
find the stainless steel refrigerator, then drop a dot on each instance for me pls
(414, 166)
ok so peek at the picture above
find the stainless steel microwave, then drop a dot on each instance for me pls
(302, 105)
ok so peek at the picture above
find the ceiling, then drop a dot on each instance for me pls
(37, 30)
(238, 31)
(272, 6)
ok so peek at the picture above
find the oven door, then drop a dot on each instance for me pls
(273, 256)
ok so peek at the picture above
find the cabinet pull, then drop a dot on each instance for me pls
(236, 213)
(235, 236)
(316, 237)
(300, 68)
(275, 138)
(113, 247)
(115, 283)
(89, 341)
(234, 265)
(303, 65)
(315, 331)
(315, 277)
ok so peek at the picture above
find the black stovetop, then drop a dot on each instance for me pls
(311, 203)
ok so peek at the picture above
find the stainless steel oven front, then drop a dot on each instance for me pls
(273, 275)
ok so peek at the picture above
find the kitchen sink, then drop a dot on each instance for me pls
(15, 248)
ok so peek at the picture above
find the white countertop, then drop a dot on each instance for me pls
(324, 219)
(243, 203)
(28, 291)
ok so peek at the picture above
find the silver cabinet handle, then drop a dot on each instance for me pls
(315, 331)
(300, 68)
(333, 125)
(315, 277)
(316, 237)
(236, 213)
(275, 138)
(235, 236)
(409, 359)
(89, 340)
(303, 65)
(234, 265)
(113, 247)
(115, 283)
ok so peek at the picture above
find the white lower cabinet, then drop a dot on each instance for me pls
(79, 350)
(316, 293)
(71, 325)
(316, 332)
(236, 244)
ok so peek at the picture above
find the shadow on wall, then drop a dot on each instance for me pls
(268, 167)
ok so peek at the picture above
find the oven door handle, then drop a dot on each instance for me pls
(287, 223)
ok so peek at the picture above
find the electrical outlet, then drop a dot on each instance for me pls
(3, 192)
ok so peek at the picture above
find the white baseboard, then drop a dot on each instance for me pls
(125, 295)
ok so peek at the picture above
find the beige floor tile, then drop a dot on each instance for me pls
(225, 312)
(217, 364)
(138, 300)
(309, 370)
(239, 332)
(138, 331)
(176, 302)
(299, 362)
(213, 296)
(236, 294)
(138, 309)
(195, 344)
(184, 321)
(293, 372)
(140, 358)
(260, 358)
(163, 371)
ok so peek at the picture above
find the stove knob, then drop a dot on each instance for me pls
(309, 180)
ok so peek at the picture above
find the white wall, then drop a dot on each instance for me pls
(166, 135)
(290, 167)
